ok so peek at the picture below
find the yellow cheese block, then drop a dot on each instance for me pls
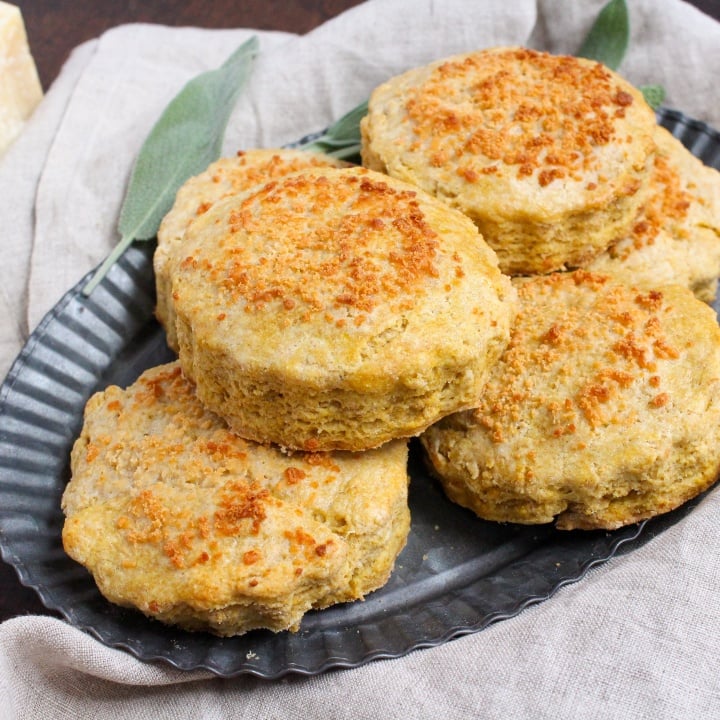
(20, 89)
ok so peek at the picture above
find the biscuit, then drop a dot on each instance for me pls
(337, 309)
(676, 238)
(603, 411)
(549, 155)
(178, 517)
(227, 176)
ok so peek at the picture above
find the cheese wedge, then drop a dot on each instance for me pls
(20, 89)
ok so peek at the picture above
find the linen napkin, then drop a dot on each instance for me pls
(637, 638)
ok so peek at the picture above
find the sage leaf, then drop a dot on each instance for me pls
(654, 95)
(342, 138)
(608, 38)
(185, 139)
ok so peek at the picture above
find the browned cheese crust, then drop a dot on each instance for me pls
(676, 237)
(337, 309)
(178, 517)
(603, 411)
(549, 155)
(223, 178)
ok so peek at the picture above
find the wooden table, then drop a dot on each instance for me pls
(55, 28)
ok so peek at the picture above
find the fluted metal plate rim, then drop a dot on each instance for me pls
(456, 576)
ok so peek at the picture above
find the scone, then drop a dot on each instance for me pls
(676, 238)
(549, 155)
(175, 515)
(337, 309)
(227, 176)
(603, 411)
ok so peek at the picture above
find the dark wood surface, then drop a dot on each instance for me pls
(54, 27)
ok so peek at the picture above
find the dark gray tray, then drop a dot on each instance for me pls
(457, 574)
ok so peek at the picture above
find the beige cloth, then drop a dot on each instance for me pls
(638, 638)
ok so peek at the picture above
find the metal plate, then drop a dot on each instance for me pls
(457, 574)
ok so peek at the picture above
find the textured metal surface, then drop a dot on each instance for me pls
(457, 574)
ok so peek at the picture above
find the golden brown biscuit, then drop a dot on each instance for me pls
(227, 176)
(676, 238)
(548, 155)
(178, 517)
(337, 309)
(603, 411)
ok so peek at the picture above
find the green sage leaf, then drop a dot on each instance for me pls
(654, 95)
(186, 138)
(342, 138)
(608, 38)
